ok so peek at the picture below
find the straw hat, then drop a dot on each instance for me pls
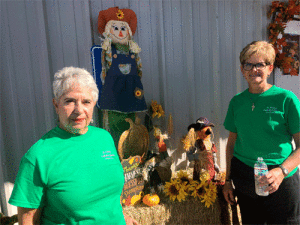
(114, 13)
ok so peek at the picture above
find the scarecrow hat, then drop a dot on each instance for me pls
(114, 13)
(200, 124)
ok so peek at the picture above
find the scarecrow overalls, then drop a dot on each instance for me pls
(123, 89)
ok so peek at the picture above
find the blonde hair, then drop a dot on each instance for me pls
(261, 48)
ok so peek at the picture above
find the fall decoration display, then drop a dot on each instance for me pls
(170, 125)
(200, 148)
(134, 182)
(121, 71)
(156, 109)
(281, 13)
(134, 141)
(182, 186)
(151, 199)
(208, 206)
(136, 199)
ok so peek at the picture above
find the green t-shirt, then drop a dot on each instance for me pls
(267, 130)
(76, 179)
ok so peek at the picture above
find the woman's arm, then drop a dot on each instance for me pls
(228, 189)
(275, 176)
(28, 216)
(294, 159)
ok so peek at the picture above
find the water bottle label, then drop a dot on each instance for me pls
(260, 172)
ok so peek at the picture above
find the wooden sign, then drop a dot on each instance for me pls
(134, 181)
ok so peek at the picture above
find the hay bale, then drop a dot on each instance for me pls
(190, 211)
(193, 211)
(146, 215)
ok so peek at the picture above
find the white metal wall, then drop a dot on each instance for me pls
(189, 53)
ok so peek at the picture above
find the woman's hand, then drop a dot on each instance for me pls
(273, 179)
(129, 220)
(228, 193)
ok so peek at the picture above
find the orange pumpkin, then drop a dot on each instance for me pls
(151, 199)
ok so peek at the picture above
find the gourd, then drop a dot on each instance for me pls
(151, 199)
(136, 199)
(134, 141)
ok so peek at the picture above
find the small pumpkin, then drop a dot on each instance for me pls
(151, 199)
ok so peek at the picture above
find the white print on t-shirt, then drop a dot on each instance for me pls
(107, 154)
(271, 109)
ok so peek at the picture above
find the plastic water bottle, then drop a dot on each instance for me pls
(260, 169)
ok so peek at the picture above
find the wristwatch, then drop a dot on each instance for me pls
(284, 170)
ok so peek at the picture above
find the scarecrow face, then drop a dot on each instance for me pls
(119, 32)
(204, 133)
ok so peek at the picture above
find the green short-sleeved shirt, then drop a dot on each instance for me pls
(76, 179)
(267, 130)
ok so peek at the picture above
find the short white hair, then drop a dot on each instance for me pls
(66, 77)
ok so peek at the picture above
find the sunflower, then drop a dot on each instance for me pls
(138, 93)
(175, 190)
(210, 194)
(120, 14)
(183, 177)
(198, 190)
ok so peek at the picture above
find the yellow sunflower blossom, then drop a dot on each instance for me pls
(183, 176)
(198, 191)
(175, 190)
(120, 14)
(184, 179)
(192, 186)
(210, 195)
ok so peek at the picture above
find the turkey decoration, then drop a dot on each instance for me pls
(121, 74)
(200, 148)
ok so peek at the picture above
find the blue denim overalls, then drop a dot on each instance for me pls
(123, 89)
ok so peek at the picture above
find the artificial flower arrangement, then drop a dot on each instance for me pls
(156, 110)
(183, 186)
(282, 13)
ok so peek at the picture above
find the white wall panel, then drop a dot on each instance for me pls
(190, 51)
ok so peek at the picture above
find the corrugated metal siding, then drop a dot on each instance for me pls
(189, 53)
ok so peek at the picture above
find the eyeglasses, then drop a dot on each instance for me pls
(258, 66)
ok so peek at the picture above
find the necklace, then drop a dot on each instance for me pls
(253, 101)
(256, 97)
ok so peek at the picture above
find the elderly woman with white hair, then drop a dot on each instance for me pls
(73, 174)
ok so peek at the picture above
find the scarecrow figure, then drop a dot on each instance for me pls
(121, 74)
(201, 149)
(160, 142)
(122, 92)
